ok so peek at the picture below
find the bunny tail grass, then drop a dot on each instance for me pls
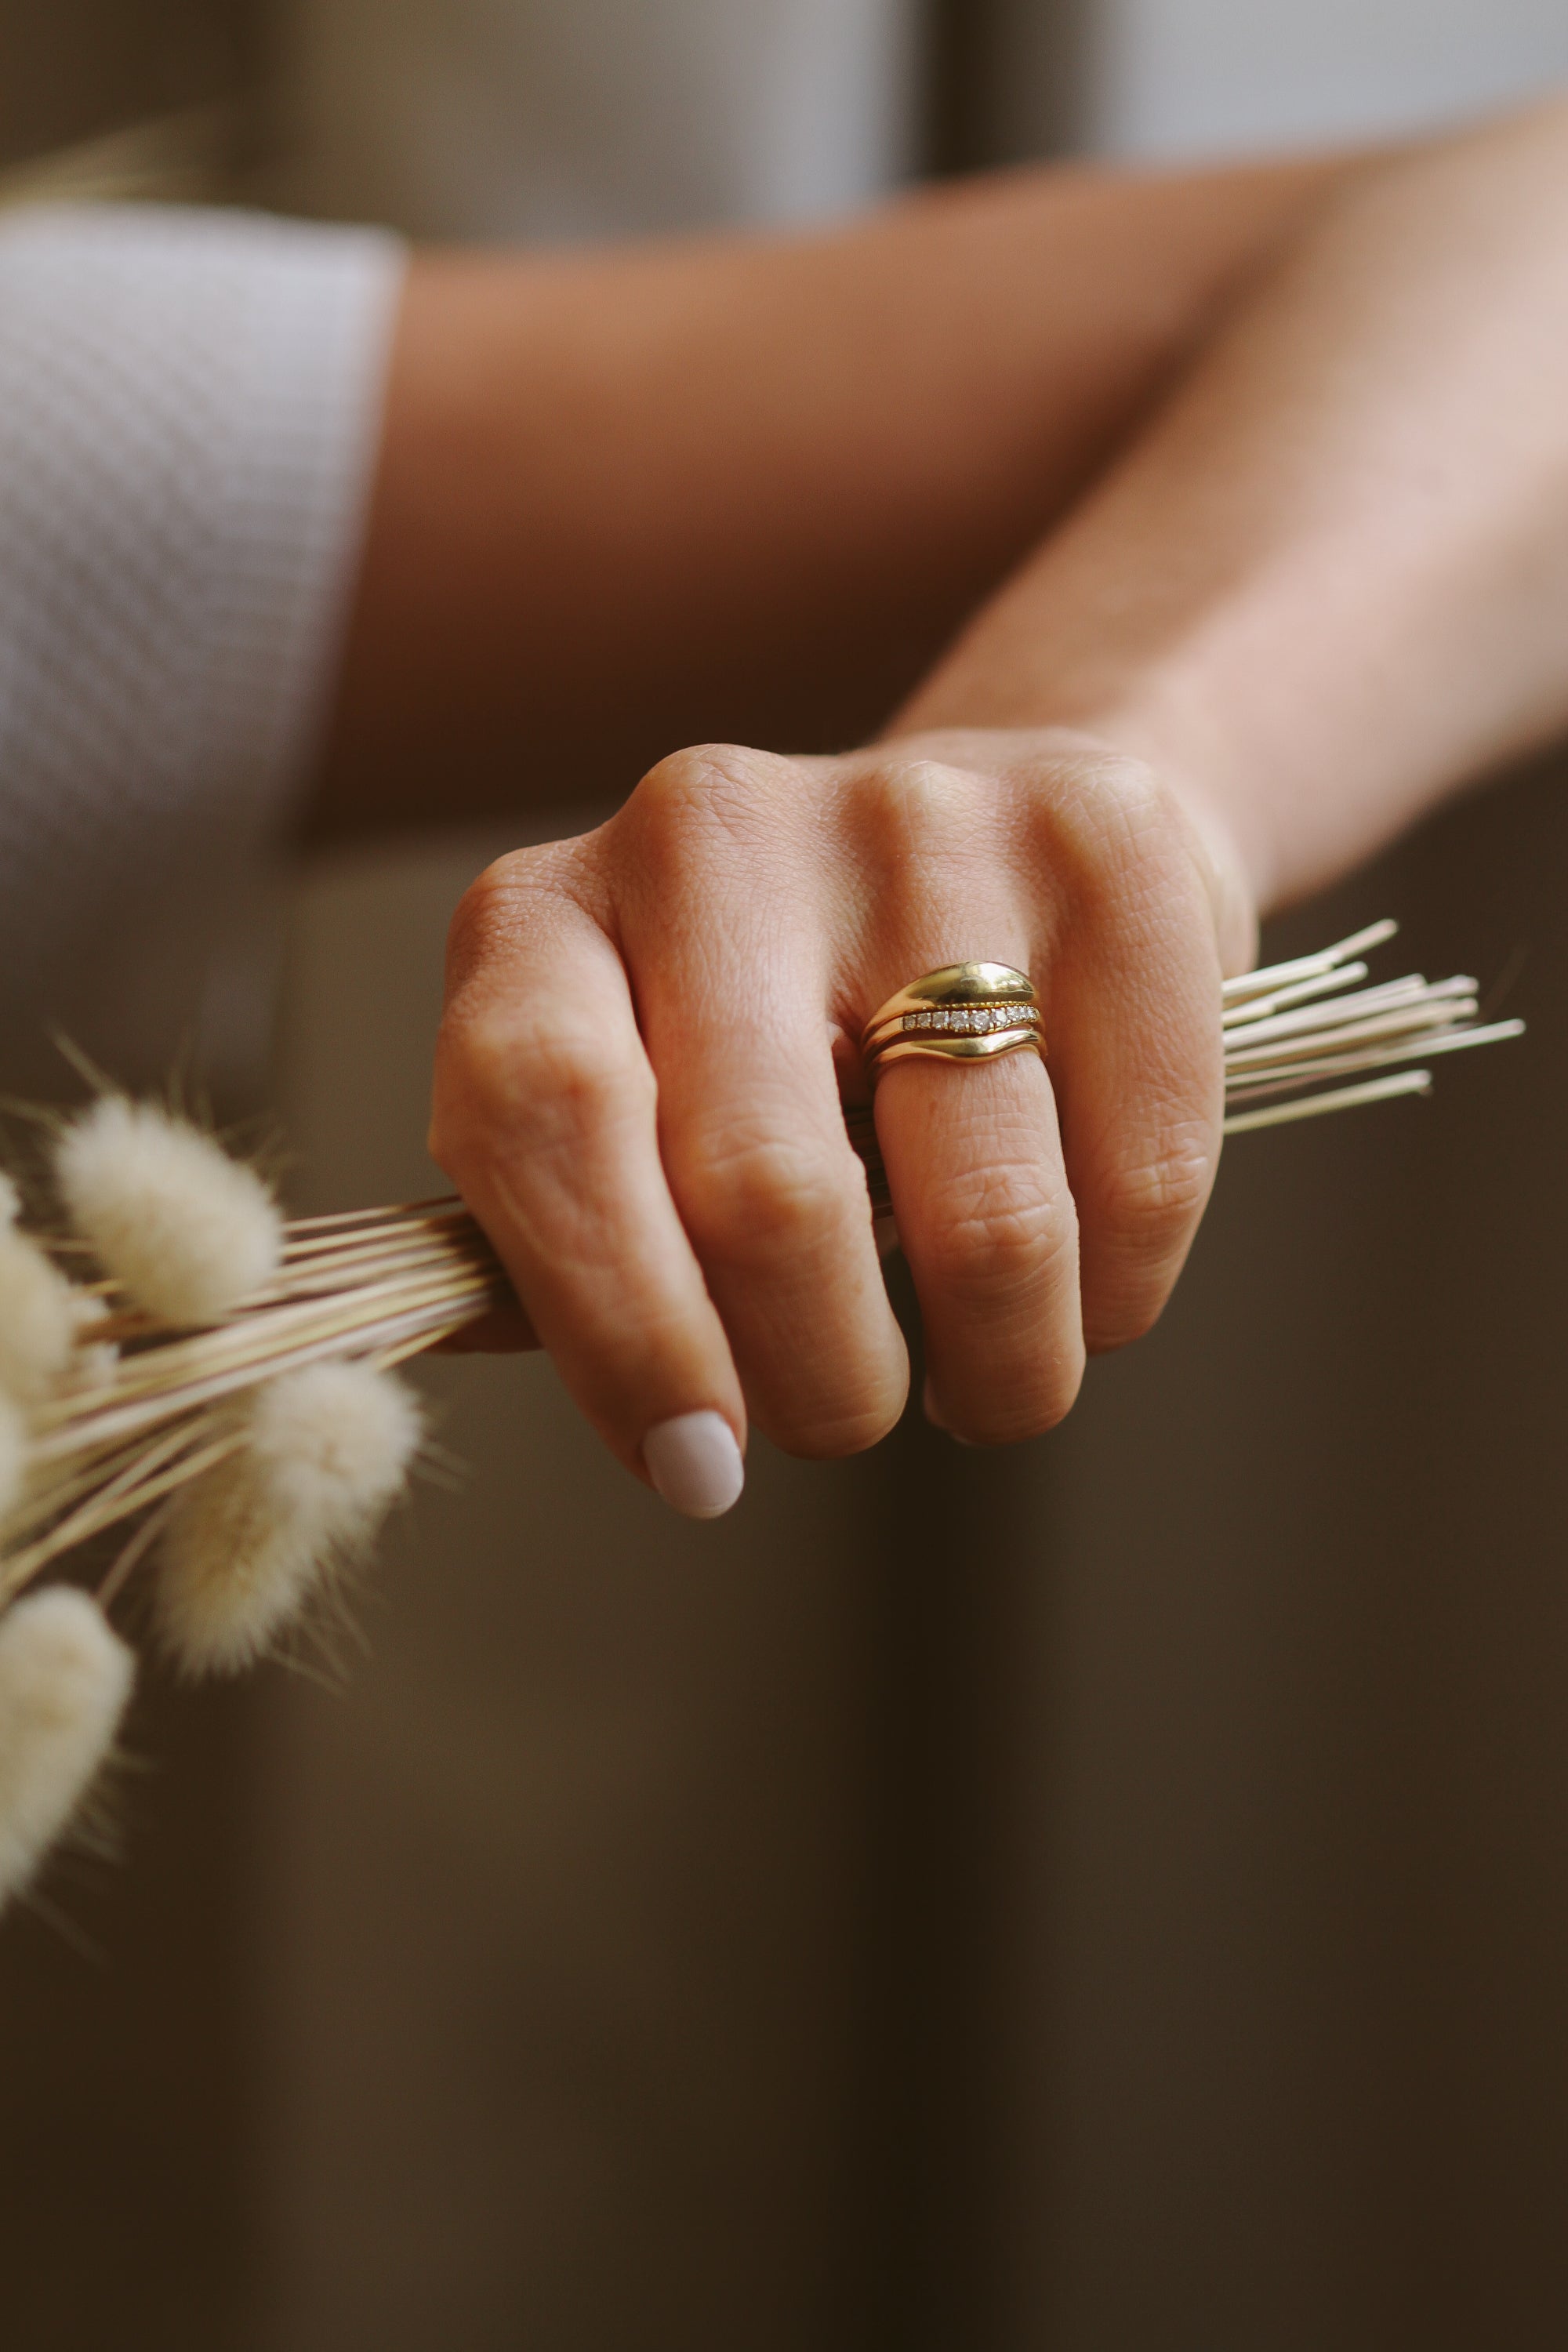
(37, 1318)
(323, 1453)
(187, 1229)
(65, 1678)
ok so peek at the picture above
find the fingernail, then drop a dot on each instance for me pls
(695, 1464)
(929, 1405)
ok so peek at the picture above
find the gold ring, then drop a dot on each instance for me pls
(963, 1013)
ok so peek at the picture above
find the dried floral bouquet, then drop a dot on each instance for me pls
(198, 1399)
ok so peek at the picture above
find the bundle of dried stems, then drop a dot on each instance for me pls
(212, 1387)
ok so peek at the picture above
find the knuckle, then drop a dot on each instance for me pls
(707, 827)
(1115, 835)
(757, 1197)
(1148, 1212)
(708, 788)
(772, 1217)
(1119, 814)
(1004, 1239)
(1119, 787)
(915, 805)
(512, 1084)
(485, 916)
(509, 901)
(1152, 1202)
(573, 1076)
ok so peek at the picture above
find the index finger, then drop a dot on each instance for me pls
(545, 1116)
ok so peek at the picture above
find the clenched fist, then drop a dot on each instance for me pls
(651, 1030)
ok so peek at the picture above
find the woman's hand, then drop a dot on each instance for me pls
(649, 1032)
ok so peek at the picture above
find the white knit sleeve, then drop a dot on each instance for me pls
(189, 405)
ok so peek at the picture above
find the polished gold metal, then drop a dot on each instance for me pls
(962, 1012)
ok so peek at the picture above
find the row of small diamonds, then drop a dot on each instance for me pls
(973, 1020)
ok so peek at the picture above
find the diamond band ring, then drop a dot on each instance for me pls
(963, 1013)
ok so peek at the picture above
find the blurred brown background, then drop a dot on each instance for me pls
(1110, 1897)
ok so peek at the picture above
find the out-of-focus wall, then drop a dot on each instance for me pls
(1192, 77)
(1198, 76)
(507, 118)
(81, 70)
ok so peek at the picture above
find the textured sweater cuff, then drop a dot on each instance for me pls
(189, 408)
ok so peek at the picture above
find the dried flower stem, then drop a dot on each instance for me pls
(379, 1286)
(130, 1554)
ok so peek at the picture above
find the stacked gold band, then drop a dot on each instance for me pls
(964, 1013)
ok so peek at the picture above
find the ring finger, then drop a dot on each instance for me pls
(972, 1148)
(988, 1225)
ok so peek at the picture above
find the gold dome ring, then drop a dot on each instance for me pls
(962, 1012)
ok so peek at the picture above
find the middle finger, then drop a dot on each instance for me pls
(732, 1004)
(973, 1150)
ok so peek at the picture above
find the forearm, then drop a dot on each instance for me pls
(1330, 581)
(745, 487)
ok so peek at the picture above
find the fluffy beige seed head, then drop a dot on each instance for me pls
(326, 1451)
(64, 1680)
(94, 1361)
(187, 1230)
(37, 1323)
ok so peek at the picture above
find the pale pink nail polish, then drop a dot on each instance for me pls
(695, 1464)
